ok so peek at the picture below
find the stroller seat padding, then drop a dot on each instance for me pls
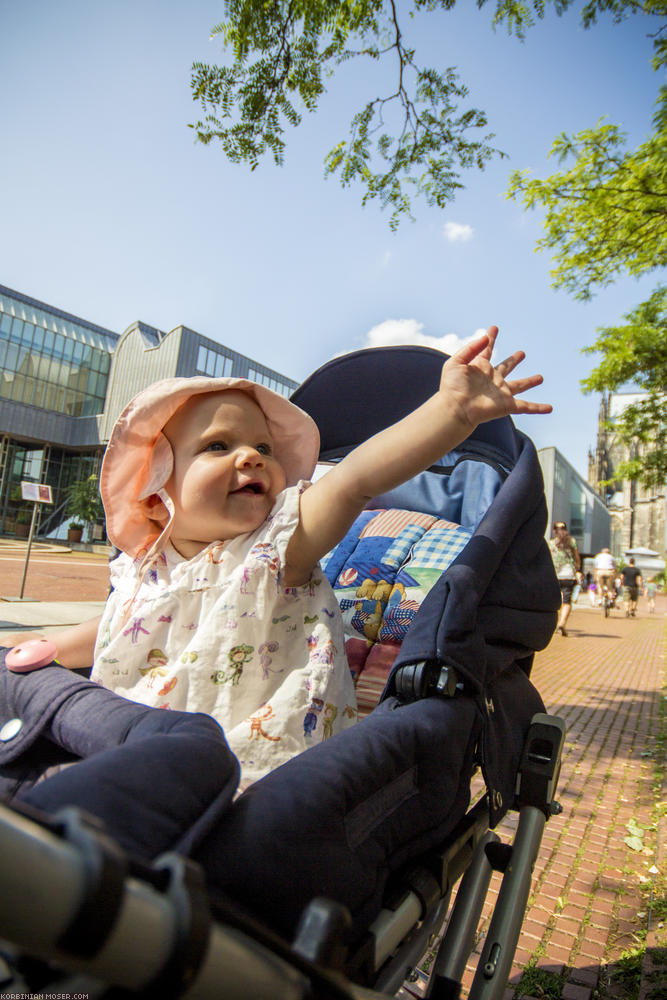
(337, 820)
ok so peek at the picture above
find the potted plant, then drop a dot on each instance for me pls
(84, 506)
(74, 531)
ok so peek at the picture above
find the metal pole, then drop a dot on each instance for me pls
(27, 552)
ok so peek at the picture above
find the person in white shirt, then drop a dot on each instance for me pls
(605, 571)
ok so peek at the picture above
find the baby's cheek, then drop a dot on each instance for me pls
(280, 479)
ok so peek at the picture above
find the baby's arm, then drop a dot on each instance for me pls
(471, 392)
(75, 645)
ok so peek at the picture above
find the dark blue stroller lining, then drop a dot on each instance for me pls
(342, 818)
(492, 609)
(158, 780)
(339, 820)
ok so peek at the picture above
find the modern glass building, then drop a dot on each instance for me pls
(570, 499)
(63, 382)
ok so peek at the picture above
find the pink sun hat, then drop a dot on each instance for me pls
(138, 460)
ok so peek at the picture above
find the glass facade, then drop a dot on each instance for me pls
(52, 361)
(578, 498)
(21, 461)
(218, 363)
(571, 499)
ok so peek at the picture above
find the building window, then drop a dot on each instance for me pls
(271, 382)
(213, 363)
(577, 509)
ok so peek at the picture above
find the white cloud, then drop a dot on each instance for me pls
(457, 232)
(393, 332)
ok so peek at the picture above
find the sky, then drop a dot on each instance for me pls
(111, 210)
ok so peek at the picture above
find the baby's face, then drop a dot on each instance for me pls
(226, 478)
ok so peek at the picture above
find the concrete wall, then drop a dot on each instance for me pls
(31, 423)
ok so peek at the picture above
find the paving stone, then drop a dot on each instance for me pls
(585, 976)
(568, 925)
(555, 953)
(533, 928)
(556, 968)
(571, 991)
(559, 937)
(600, 906)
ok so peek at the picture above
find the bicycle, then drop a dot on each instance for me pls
(608, 600)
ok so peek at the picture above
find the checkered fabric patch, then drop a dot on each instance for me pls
(440, 546)
(399, 549)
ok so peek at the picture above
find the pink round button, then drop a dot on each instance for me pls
(31, 655)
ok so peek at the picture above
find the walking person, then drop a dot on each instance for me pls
(632, 581)
(651, 589)
(567, 564)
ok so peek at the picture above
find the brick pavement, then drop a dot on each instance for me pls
(587, 908)
(55, 573)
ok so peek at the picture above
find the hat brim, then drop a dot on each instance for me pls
(138, 460)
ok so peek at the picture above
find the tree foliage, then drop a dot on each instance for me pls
(607, 214)
(636, 352)
(414, 140)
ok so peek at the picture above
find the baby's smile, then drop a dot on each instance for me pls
(252, 488)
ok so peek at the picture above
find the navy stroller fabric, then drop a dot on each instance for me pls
(158, 780)
(338, 819)
(492, 609)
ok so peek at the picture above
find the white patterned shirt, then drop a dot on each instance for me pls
(219, 634)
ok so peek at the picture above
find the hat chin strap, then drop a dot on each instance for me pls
(157, 546)
(161, 541)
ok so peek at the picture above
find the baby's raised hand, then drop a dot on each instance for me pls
(478, 390)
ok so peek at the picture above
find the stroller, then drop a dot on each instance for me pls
(332, 875)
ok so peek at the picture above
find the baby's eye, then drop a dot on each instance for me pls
(265, 449)
(216, 446)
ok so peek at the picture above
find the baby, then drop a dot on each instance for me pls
(218, 602)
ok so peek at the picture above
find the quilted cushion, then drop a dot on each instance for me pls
(381, 571)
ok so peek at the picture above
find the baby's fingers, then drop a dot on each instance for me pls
(510, 363)
(470, 351)
(525, 406)
(492, 334)
(519, 385)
